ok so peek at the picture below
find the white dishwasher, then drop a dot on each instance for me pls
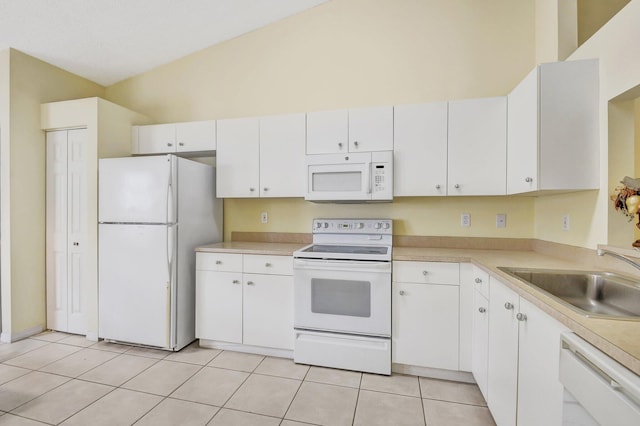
(597, 389)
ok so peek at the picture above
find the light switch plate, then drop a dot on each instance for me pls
(264, 217)
(565, 222)
(501, 220)
(465, 219)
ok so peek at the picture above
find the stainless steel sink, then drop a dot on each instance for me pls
(592, 294)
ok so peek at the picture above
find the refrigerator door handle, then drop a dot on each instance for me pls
(170, 218)
(169, 251)
(168, 326)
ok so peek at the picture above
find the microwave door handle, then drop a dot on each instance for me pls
(370, 177)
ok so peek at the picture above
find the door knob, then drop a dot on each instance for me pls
(521, 317)
(482, 310)
(478, 280)
(508, 306)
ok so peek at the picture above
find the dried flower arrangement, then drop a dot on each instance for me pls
(627, 200)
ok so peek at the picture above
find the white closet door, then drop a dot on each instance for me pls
(56, 246)
(77, 229)
(67, 229)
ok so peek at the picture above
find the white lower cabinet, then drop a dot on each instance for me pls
(523, 360)
(425, 306)
(267, 314)
(480, 341)
(245, 299)
(219, 305)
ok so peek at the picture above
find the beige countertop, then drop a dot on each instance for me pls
(617, 338)
(241, 247)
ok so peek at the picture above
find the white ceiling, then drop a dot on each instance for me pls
(107, 41)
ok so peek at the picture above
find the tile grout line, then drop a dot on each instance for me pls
(295, 394)
(355, 409)
(424, 413)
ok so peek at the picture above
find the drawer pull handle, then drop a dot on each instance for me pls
(508, 306)
(482, 310)
(249, 282)
(425, 273)
(218, 262)
(235, 282)
(521, 317)
(478, 280)
(267, 264)
(401, 293)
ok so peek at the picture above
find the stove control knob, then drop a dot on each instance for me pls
(326, 225)
(318, 225)
(377, 225)
(386, 225)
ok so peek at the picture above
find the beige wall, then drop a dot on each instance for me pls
(350, 53)
(5, 265)
(32, 82)
(593, 14)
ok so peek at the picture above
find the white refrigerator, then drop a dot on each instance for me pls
(153, 212)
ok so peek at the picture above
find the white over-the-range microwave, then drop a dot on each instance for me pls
(350, 177)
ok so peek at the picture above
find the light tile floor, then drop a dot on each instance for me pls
(56, 378)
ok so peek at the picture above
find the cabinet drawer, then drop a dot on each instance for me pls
(426, 272)
(481, 281)
(259, 264)
(228, 262)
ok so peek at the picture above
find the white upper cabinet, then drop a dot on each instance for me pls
(261, 157)
(420, 149)
(477, 147)
(354, 130)
(196, 136)
(328, 132)
(155, 139)
(371, 129)
(193, 136)
(282, 172)
(238, 158)
(553, 129)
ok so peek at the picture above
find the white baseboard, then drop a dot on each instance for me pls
(10, 337)
(433, 373)
(259, 350)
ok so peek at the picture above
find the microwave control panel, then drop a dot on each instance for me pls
(379, 177)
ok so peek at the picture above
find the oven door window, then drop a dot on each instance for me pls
(341, 297)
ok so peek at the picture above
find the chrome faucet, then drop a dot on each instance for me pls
(602, 252)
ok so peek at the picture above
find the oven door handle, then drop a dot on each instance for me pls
(342, 265)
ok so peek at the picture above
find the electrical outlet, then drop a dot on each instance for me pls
(465, 219)
(264, 217)
(501, 220)
(565, 222)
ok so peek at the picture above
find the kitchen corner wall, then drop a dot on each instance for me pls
(352, 53)
(25, 83)
(615, 45)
